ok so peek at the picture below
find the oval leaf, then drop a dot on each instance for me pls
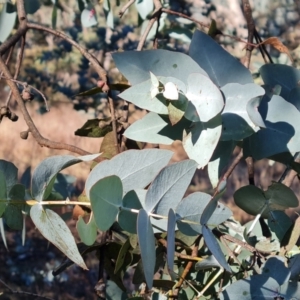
(205, 96)
(45, 173)
(106, 198)
(55, 230)
(139, 167)
(215, 248)
(169, 186)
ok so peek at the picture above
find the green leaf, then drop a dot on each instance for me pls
(3, 193)
(171, 240)
(136, 65)
(108, 148)
(176, 109)
(7, 21)
(87, 232)
(55, 230)
(147, 245)
(54, 16)
(13, 213)
(156, 129)
(10, 173)
(45, 173)
(279, 223)
(205, 96)
(106, 199)
(169, 186)
(124, 251)
(221, 67)
(214, 248)
(139, 167)
(282, 195)
(201, 140)
(95, 128)
(127, 219)
(237, 124)
(251, 199)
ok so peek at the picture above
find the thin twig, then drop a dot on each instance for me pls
(25, 85)
(156, 14)
(125, 7)
(23, 293)
(33, 129)
(250, 166)
(251, 27)
(175, 13)
(91, 58)
(189, 265)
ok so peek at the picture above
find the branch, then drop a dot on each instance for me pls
(125, 7)
(251, 28)
(23, 293)
(34, 131)
(155, 16)
(91, 58)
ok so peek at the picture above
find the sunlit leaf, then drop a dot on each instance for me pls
(169, 186)
(45, 173)
(55, 230)
(139, 167)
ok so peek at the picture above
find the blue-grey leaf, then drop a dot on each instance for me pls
(221, 67)
(45, 173)
(136, 168)
(147, 245)
(201, 140)
(106, 199)
(255, 287)
(155, 129)
(282, 133)
(275, 268)
(144, 8)
(235, 118)
(220, 160)
(169, 186)
(136, 65)
(294, 97)
(54, 229)
(205, 96)
(171, 240)
(214, 248)
(207, 263)
(7, 22)
(285, 76)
